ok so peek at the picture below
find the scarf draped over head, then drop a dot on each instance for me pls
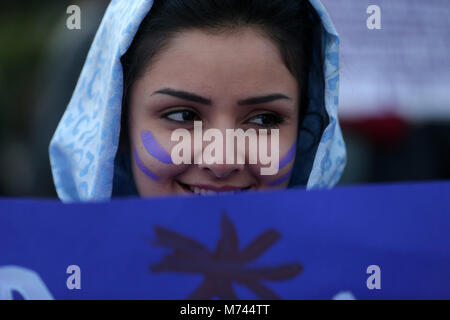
(84, 146)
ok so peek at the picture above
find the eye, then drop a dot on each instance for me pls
(268, 120)
(181, 116)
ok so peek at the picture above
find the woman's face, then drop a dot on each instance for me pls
(213, 79)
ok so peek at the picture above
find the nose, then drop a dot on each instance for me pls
(221, 171)
(223, 150)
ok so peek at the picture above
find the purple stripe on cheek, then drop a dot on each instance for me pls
(152, 146)
(281, 179)
(142, 166)
(288, 157)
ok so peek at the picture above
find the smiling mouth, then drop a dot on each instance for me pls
(208, 189)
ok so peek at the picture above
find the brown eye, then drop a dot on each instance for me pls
(182, 116)
(267, 120)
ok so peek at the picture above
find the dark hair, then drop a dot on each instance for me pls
(289, 23)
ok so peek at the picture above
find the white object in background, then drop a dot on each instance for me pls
(402, 68)
(344, 295)
(24, 281)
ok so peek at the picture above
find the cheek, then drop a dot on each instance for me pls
(151, 156)
(153, 167)
(286, 156)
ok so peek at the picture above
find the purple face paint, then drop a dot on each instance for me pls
(143, 168)
(281, 179)
(284, 162)
(153, 147)
(288, 156)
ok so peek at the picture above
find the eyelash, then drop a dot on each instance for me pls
(276, 118)
(181, 111)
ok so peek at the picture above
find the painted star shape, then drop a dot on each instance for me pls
(225, 265)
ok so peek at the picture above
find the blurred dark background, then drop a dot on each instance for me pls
(395, 93)
(40, 62)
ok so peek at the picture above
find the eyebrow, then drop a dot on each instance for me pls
(202, 100)
(184, 95)
(263, 99)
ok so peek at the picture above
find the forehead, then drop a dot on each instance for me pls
(229, 63)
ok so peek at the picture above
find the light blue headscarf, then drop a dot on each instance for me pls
(84, 146)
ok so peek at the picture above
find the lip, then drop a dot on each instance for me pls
(216, 189)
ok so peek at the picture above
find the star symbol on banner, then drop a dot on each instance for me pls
(225, 265)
